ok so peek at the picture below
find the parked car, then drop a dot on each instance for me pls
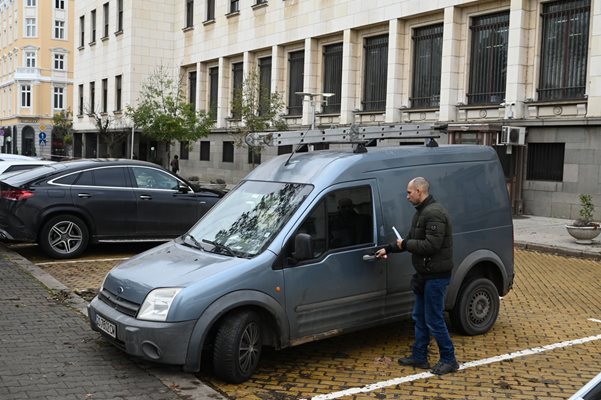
(278, 263)
(9, 156)
(8, 167)
(64, 206)
(590, 391)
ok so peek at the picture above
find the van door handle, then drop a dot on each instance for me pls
(145, 197)
(84, 195)
(369, 257)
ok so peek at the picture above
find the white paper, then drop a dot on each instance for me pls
(398, 235)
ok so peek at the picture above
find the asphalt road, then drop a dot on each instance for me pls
(546, 343)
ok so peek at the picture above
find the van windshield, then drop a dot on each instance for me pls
(244, 222)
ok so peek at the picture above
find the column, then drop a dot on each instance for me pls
(396, 70)
(450, 75)
(310, 80)
(593, 88)
(350, 69)
(223, 92)
(517, 59)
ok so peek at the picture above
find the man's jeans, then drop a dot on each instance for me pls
(428, 314)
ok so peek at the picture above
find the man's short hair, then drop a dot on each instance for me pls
(421, 183)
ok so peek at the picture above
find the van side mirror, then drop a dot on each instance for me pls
(303, 247)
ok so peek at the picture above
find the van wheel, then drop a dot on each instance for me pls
(64, 236)
(237, 347)
(476, 308)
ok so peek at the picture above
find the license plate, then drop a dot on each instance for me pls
(105, 326)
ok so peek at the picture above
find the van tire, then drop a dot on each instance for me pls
(476, 308)
(61, 227)
(237, 347)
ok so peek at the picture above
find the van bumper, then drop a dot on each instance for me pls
(163, 342)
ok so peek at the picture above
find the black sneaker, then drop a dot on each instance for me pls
(410, 361)
(443, 368)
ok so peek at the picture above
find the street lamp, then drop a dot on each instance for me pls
(312, 97)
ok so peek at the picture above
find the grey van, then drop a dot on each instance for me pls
(287, 258)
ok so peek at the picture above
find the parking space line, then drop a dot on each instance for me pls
(82, 261)
(595, 320)
(471, 364)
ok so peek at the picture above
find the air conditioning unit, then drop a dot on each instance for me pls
(512, 135)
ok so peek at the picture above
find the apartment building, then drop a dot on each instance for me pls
(36, 73)
(523, 76)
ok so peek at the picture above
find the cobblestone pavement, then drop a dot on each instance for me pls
(555, 299)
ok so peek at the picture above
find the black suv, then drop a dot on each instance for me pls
(64, 206)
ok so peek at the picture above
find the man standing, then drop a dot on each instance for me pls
(430, 242)
(175, 164)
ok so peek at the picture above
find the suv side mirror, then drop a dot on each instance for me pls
(182, 188)
(303, 247)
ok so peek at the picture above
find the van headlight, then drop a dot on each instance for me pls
(157, 303)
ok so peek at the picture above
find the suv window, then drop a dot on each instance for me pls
(343, 218)
(150, 178)
(111, 177)
(67, 179)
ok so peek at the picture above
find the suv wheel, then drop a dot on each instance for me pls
(476, 308)
(64, 236)
(237, 347)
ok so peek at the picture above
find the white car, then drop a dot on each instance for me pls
(8, 157)
(9, 167)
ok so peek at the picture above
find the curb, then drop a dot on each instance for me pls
(557, 250)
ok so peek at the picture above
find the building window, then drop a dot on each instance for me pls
(59, 4)
(564, 49)
(488, 61)
(59, 98)
(59, 61)
(184, 150)
(30, 27)
(105, 12)
(545, 162)
(261, 2)
(92, 97)
(192, 89)
(427, 57)
(25, 95)
(228, 152)
(210, 10)
(30, 59)
(234, 6)
(105, 92)
(82, 31)
(31, 3)
(213, 91)
(264, 85)
(205, 150)
(254, 155)
(80, 103)
(118, 83)
(93, 26)
(332, 77)
(59, 29)
(189, 13)
(237, 82)
(375, 75)
(119, 15)
(296, 63)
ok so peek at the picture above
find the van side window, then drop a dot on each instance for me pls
(343, 218)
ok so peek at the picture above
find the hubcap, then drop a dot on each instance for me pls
(479, 307)
(249, 348)
(65, 237)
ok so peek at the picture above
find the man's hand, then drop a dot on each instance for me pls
(381, 253)
(399, 243)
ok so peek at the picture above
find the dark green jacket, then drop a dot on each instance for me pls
(430, 241)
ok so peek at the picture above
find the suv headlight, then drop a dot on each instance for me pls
(157, 303)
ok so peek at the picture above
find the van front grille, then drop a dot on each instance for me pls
(123, 306)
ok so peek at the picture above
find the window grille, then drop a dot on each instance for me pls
(332, 77)
(564, 49)
(545, 161)
(427, 63)
(375, 74)
(296, 62)
(488, 62)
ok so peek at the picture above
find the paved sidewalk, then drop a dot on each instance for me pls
(550, 234)
(48, 351)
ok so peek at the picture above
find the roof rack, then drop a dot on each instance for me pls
(354, 134)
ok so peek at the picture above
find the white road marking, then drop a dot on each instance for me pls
(595, 320)
(82, 261)
(471, 364)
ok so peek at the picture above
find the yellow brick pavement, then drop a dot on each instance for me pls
(552, 299)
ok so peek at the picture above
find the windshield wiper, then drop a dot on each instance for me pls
(218, 247)
(196, 243)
